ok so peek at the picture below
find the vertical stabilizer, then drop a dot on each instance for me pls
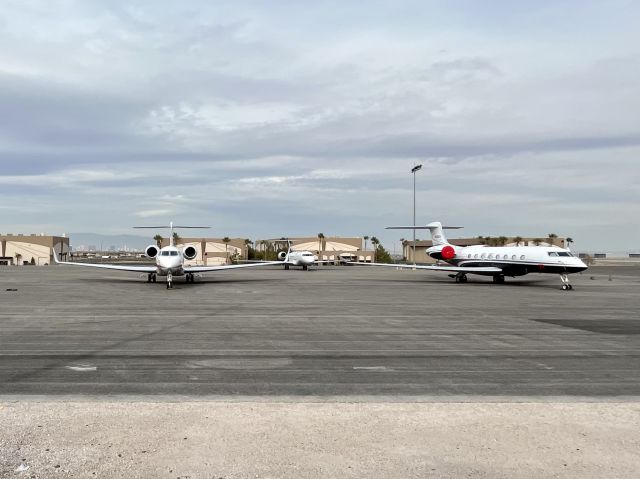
(437, 233)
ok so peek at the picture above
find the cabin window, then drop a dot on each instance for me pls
(506, 256)
(490, 255)
(475, 256)
(553, 253)
(482, 256)
(513, 256)
(521, 256)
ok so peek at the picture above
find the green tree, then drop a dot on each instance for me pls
(33, 261)
(375, 242)
(537, 241)
(365, 242)
(481, 240)
(518, 240)
(552, 238)
(250, 250)
(381, 254)
(158, 239)
(176, 238)
(226, 241)
(502, 240)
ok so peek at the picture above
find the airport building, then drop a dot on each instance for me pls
(330, 248)
(31, 249)
(213, 251)
(422, 246)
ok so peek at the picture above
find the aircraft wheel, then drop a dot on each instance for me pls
(570, 286)
(565, 287)
(286, 266)
(305, 267)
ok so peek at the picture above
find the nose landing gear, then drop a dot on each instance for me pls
(169, 281)
(566, 286)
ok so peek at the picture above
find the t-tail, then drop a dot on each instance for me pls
(171, 228)
(436, 229)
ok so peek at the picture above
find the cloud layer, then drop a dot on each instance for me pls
(296, 119)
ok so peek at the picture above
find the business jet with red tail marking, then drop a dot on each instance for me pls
(498, 262)
(169, 261)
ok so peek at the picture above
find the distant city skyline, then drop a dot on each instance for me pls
(292, 118)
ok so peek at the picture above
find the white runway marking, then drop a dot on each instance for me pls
(82, 368)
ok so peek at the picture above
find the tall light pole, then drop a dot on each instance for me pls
(413, 171)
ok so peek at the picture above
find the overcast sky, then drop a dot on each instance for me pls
(305, 117)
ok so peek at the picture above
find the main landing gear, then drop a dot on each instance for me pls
(151, 278)
(498, 278)
(305, 267)
(460, 278)
(566, 286)
(189, 278)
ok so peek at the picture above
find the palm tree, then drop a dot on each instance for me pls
(320, 238)
(518, 240)
(375, 242)
(176, 237)
(569, 241)
(481, 239)
(365, 242)
(502, 240)
(247, 242)
(158, 239)
(226, 240)
(552, 237)
(18, 258)
(537, 241)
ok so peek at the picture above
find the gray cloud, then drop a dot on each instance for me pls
(256, 119)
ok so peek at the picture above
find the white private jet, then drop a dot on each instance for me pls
(298, 258)
(169, 261)
(497, 262)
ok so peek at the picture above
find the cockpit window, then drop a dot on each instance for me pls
(307, 254)
(164, 253)
(173, 253)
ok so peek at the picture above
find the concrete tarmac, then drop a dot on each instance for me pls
(329, 332)
(338, 372)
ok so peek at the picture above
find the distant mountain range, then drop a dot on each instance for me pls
(108, 242)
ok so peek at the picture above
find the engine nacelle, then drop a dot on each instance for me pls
(189, 252)
(282, 255)
(151, 251)
(447, 252)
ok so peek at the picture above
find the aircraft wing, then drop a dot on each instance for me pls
(450, 269)
(204, 269)
(136, 269)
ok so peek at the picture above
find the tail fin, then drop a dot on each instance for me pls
(437, 233)
(436, 229)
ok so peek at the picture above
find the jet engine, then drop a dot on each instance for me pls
(189, 252)
(151, 251)
(447, 252)
(282, 255)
